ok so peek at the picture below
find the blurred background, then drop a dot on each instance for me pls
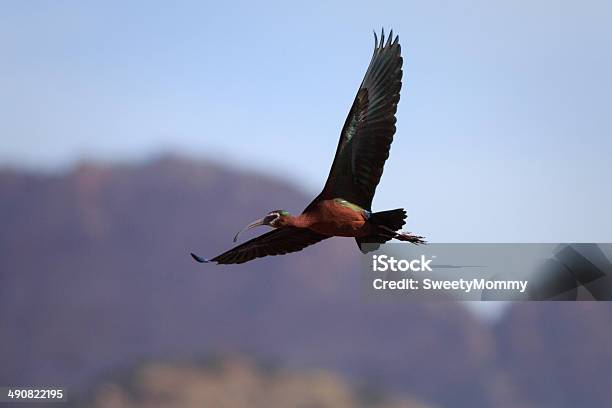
(134, 133)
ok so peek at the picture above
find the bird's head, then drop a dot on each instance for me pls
(274, 219)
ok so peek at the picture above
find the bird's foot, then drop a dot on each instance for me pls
(402, 236)
(409, 237)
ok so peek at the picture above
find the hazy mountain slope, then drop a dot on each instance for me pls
(559, 354)
(234, 383)
(95, 274)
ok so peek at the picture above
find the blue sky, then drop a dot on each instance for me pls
(504, 126)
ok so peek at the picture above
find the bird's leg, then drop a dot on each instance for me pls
(387, 229)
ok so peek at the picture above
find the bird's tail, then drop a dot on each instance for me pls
(389, 223)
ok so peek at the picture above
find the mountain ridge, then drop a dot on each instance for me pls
(95, 273)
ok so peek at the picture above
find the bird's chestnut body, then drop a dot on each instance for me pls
(334, 217)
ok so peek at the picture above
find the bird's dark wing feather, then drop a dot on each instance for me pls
(278, 242)
(369, 128)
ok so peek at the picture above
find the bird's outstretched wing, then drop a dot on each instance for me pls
(278, 242)
(369, 128)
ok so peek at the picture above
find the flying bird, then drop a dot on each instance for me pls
(343, 208)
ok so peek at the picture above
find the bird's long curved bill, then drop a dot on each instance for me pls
(254, 224)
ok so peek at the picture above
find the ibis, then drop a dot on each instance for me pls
(343, 208)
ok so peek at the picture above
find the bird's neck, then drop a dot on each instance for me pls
(301, 221)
